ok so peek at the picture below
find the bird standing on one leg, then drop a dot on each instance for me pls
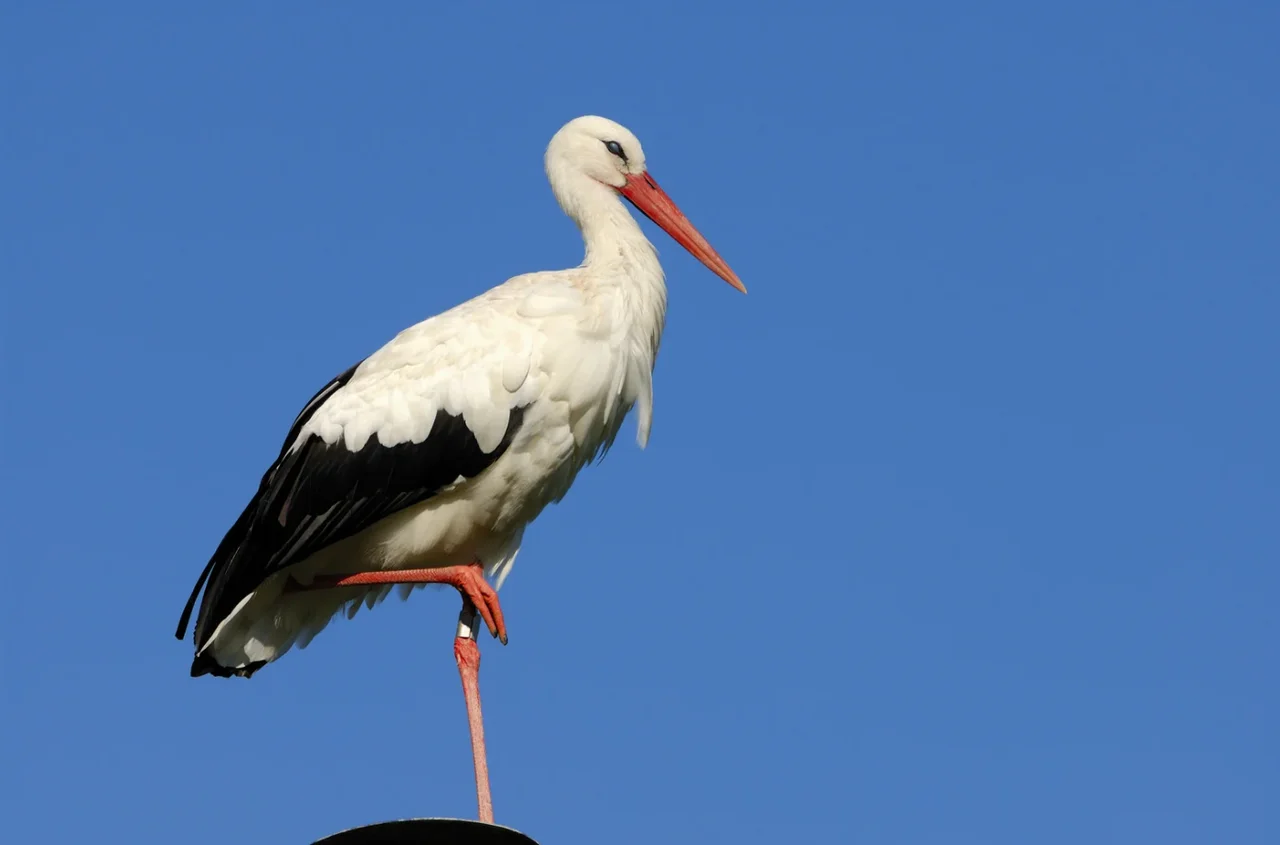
(425, 462)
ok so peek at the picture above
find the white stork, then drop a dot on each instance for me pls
(425, 462)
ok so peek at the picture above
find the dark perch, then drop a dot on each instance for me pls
(428, 832)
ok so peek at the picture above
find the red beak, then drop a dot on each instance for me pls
(654, 203)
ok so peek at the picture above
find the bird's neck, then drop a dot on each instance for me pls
(619, 258)
(611, 235)
(620, 267)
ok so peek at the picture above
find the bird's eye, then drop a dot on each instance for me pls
(615, 148)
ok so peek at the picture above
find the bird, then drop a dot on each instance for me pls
(425, 462)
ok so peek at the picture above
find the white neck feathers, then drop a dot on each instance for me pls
(619, 262)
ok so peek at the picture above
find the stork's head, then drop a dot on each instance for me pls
(608, 154)
(599, 148)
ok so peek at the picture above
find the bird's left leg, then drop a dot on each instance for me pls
(467, 579)
(477, 597)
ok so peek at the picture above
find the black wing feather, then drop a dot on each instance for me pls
(320, 493)
(236, 536)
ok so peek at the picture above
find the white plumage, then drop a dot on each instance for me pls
(540, 370)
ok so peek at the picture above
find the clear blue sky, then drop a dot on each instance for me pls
(963, 527)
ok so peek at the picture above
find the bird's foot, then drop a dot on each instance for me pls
(467, 579)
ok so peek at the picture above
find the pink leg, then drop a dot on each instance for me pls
(467, 652)
(477, 595)
(467, 579)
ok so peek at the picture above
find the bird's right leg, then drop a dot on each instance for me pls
(478, 598)
(467, 652)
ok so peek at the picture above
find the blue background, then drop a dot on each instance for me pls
(961, 528)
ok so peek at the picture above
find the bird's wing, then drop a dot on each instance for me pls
(434, 407)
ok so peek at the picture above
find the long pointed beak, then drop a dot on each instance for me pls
(654, 203)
